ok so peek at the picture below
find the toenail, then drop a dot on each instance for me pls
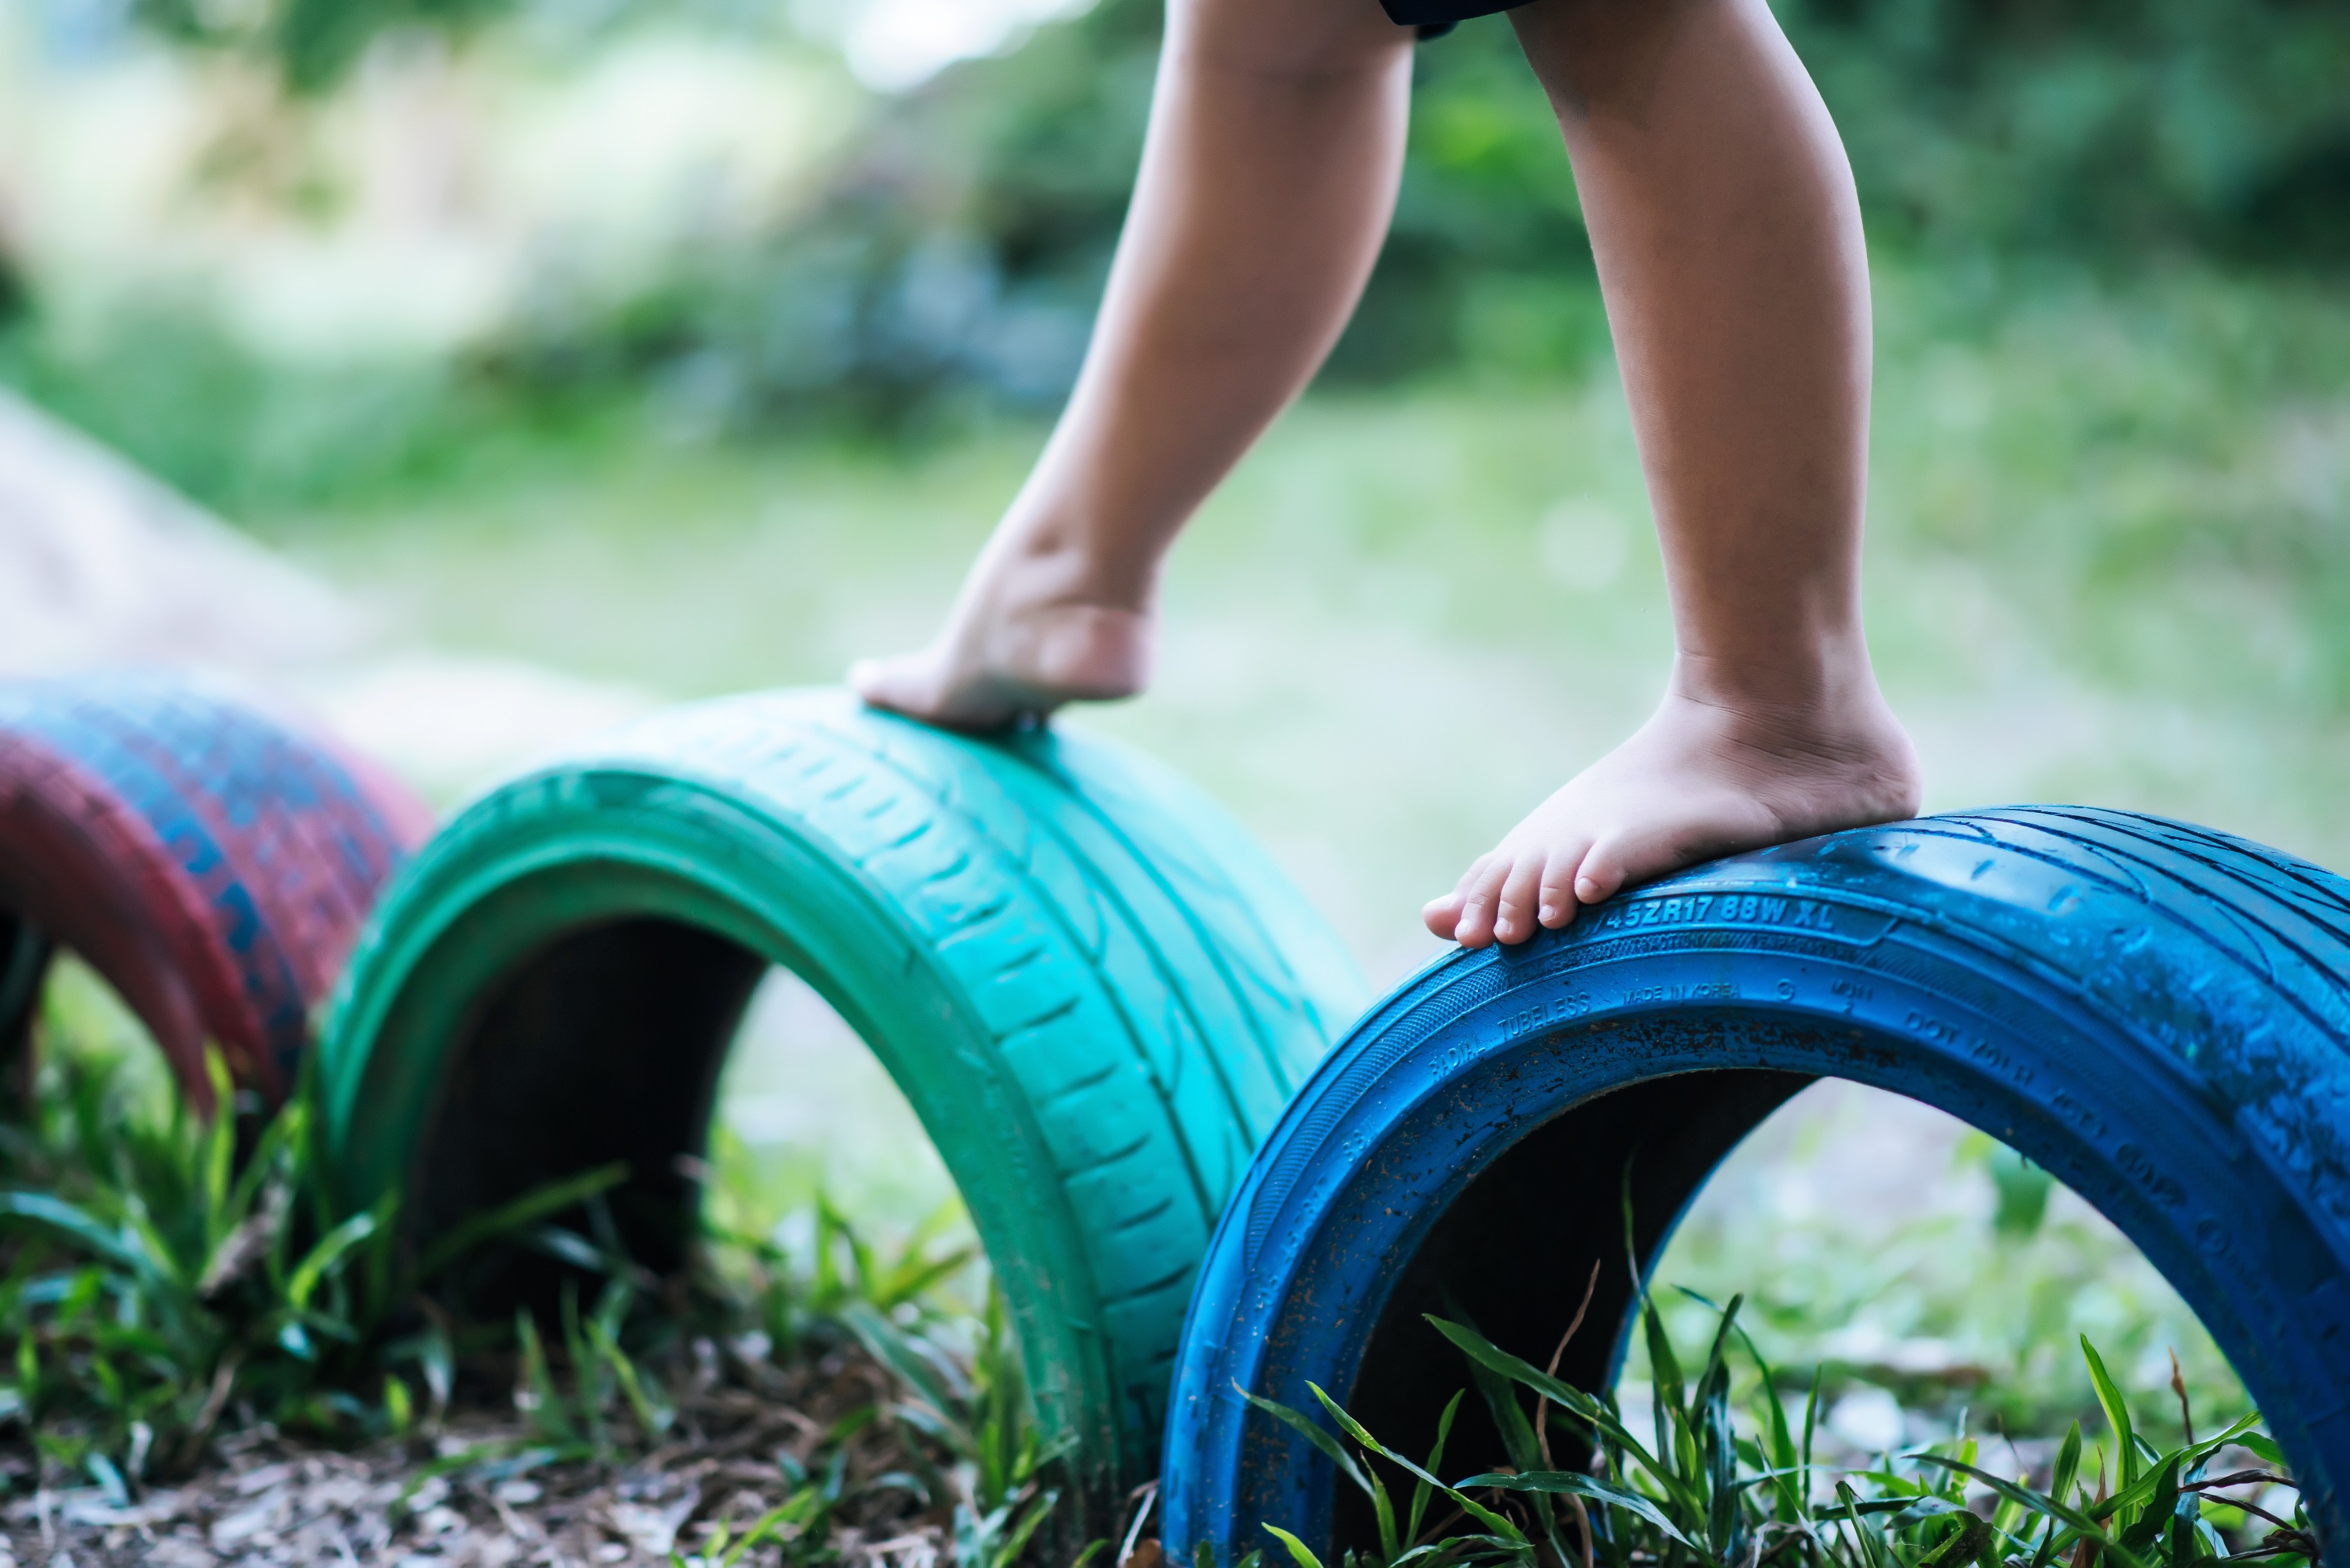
(1550, 911)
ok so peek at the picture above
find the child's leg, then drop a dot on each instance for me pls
(1268, 177)
(1722, 215)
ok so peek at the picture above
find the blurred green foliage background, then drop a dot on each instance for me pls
(951, 250)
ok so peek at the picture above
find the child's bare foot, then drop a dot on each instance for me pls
(1698, 779)
(1028, 634)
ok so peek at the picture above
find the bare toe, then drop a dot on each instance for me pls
(1520, 891)
(1600, 875)
(906, 684)
(924, 686)
(1441, 915)
(1481, 904)
(897, 684)
(1559, 899)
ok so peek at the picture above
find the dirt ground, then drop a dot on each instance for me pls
(483, 1493)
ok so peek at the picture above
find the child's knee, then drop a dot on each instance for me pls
(1307, 40)
(1588, 48)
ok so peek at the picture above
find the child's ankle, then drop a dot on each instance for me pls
(1828, 685)
(1049, 567)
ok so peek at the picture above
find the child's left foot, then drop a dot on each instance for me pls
(1698, 780)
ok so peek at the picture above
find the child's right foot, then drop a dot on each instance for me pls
(1701, 779)
(1025, 638)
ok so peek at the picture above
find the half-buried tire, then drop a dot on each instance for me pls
(1095, 991)
(212, 861)
(2159, 1014)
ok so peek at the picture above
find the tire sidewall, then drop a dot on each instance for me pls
(1483, 1048)
(548, 856)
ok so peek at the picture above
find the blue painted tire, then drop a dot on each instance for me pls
(212, 861)
(2156, 1012)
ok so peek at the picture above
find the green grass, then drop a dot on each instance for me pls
(805, 1111)
(163, 1283)
(1961, 1294)
(1685, 1483)
(160, 1276)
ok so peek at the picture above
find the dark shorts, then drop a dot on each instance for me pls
(1436, 18)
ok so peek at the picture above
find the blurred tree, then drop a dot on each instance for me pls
(2099, 126)
(15, 295)
(959, 247)
(2085, 124)
(312, 44)
(312, 47)
(963, 242)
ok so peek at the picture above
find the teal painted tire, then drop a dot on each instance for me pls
(1094, 991)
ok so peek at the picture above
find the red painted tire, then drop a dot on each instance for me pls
(212, 861)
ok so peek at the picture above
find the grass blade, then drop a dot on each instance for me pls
(1590, 1488)
(1421, 1490)
(531, 1206)
(2117, 1416)
(2082, 1524)
(304, 1282)
(1327, 1445)
(84, 1230)
(2060, 1484)
(1298, 1550)
(1582, 1406)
